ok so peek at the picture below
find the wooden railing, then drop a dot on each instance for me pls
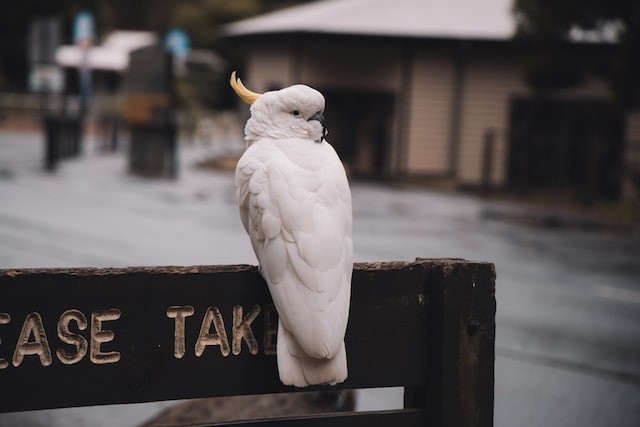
(77, 337)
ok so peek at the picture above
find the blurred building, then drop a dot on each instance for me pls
(435, 89)
(133, 79)
(111, 55)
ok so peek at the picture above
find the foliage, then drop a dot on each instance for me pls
(200, 18)
(14, 24)
(548, 24)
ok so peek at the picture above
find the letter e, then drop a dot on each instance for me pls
(99, 336)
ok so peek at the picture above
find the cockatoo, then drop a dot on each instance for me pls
(295, 204)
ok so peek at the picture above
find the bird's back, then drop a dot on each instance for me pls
(295, 204)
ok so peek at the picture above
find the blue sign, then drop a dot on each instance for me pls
(84, 28)
(177, 42)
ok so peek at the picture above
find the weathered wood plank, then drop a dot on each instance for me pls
(394, 418)
(140, 362)
(461, 338)
(74, 337)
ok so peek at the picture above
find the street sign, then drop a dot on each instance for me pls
(84, 29)
(177, 42)
(84, 34)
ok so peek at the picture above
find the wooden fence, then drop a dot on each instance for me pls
(77, 337)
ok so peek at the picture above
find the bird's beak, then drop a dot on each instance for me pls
(319, 117)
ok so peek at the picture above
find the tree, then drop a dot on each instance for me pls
(14, 26)
(573, 39)
(201, 19)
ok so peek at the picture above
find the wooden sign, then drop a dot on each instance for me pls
(75, 337)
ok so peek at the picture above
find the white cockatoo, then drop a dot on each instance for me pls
(295, 204)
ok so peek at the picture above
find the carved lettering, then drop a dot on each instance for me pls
(270, 330)
(180, 313)
(76, 344)
(4, 319)
(68, 337)
(206, 338)
(242, 329)
(32, 326)
(100, 336)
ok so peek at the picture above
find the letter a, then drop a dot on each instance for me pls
(32, 326)
(205, 338)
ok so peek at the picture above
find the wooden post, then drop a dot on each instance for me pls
(461, 337)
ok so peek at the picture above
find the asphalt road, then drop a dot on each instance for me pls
(568, 322)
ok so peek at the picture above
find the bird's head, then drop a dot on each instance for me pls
(292, 112)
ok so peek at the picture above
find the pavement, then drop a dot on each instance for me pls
(568, 320)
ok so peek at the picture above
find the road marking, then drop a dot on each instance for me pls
(563, 363)
(618, 294)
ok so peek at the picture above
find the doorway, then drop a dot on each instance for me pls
(360, 128)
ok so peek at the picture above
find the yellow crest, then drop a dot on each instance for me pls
(245, 94)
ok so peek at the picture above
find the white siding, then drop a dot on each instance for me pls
(268, 66)
(491, 78)
(489, 84)
(351, 65)
(490, 81)
(427, 150)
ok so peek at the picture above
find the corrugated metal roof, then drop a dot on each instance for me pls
(458, 19)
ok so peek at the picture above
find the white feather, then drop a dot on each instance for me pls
(295, 204)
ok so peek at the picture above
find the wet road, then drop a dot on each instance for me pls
(568, 322)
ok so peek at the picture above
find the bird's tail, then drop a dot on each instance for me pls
(298, 369)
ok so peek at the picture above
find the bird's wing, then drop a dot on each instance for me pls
(299, 221)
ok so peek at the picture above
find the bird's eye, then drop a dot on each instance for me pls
(295, 113)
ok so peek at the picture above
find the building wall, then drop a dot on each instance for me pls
(429, 109)
(633, 126)
(352, 65)
(349, 65)
(268, 66)
(422, 77)
(489, 81)
(632, 148)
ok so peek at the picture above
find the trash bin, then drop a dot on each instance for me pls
(150, 114)
(153, 150)
(63, 138)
